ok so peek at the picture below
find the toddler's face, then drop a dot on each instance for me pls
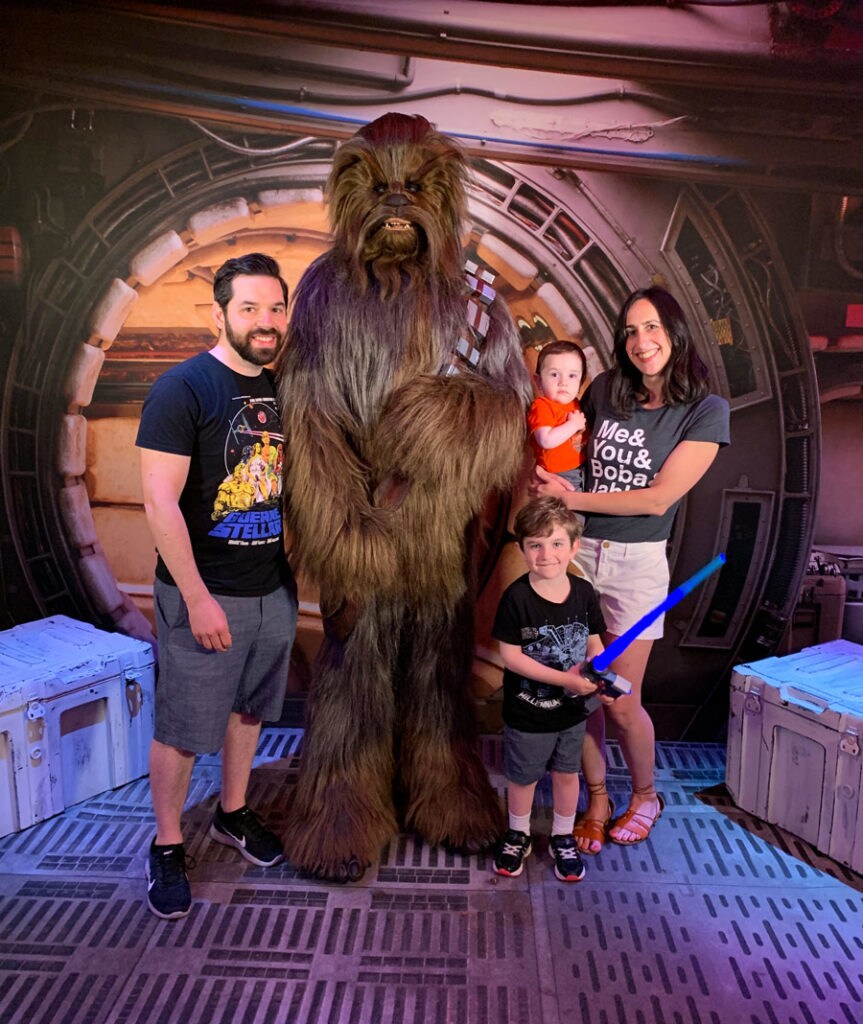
(560, 378)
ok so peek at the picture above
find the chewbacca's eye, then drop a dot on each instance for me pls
(379, 189)
(413, 186)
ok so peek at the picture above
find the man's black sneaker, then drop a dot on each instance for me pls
(512, 850)
(168, 893)
(568, 865)
(244, 831)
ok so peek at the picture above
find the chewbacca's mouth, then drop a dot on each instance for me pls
(396, 224)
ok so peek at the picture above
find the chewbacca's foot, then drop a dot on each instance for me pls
(341, 874)
(472, 847)
(465, 816)
(337, 839)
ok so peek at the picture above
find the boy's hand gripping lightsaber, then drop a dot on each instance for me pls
(596, 670)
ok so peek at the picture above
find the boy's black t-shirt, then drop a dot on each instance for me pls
(554, 635)
(229, 425)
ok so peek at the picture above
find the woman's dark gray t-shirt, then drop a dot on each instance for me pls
(626, 454)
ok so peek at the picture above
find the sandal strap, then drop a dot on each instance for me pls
(594, 830)
(639, 821)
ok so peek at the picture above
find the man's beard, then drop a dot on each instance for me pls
(243, 346)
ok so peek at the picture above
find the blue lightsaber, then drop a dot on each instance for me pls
(596, 669)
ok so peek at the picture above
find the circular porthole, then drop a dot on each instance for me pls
(133, 296)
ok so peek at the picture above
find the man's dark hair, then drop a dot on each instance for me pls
(253, 264)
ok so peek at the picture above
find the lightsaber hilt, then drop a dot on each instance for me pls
(610, 683)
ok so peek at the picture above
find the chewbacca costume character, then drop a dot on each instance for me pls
(393, 442)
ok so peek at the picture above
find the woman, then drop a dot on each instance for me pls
(655, 429)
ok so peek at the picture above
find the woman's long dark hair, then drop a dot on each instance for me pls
(686, 378)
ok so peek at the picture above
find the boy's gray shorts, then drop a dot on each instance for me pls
(527, 756)
(197, 689)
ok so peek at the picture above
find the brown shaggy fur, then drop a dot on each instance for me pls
(388, 464)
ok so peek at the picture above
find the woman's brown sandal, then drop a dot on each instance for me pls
(594, 830)
(637, 821)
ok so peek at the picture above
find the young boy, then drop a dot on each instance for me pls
(555, 420)
(548, 623)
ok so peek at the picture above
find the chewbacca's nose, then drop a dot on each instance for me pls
(397, 199)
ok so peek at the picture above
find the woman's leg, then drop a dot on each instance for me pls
(636, 735)
(593, 769)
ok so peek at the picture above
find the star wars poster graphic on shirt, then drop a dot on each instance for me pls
(246, 506)
(558, 647)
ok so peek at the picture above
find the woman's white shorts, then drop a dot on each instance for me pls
(631, 580)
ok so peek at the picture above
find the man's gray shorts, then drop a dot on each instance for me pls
(527, 756)
(198, 689)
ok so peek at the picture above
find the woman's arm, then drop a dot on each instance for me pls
(680, 472)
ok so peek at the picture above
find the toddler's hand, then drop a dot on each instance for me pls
(577, 417)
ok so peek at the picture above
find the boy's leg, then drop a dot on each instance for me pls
(564, 765)
(519, 802)
(525, 756)
(568, 865)
(514, 846)
(564, 791)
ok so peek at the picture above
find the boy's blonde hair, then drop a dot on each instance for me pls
(539, 518)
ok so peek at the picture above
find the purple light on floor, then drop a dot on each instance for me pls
(618, 646)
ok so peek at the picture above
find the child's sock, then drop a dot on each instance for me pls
(562, 824)
(520, 822)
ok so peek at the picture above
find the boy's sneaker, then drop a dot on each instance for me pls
(244, 831)
(568, 865)
(169, 895)
(511, 853)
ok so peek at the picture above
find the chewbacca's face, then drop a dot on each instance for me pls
(397, 202)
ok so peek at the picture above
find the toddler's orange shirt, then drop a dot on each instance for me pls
(545, 412)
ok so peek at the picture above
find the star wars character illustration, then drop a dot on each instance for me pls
(246, 503)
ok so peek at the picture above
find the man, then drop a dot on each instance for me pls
(224, 597)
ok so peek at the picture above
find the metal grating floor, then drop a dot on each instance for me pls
(719, 919)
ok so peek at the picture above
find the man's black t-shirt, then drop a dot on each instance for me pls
(229, 425)
(554, 635)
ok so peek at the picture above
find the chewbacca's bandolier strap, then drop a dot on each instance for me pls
(467, 351)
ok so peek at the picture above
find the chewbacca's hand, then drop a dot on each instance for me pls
(391, 492)
(340, 619)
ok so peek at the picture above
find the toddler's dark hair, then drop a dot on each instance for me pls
(556, 348)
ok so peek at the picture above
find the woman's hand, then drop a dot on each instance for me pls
(543, 484)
